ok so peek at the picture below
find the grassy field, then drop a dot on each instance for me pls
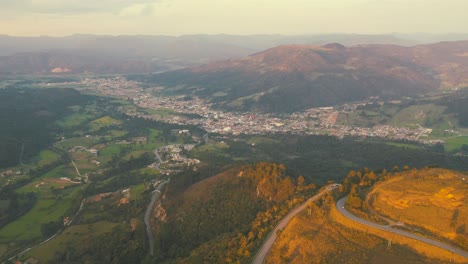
(368, 117)
(74, 120)
(85, 166)
(212, 147)
(46, 157)
(455, 143)
(134, 154)
(102, 122)
(153, 135)
(52, 203)
(57, 172)
(261, 140)
(71, 237)
(48, 208)
(403, 145)
(77, 141)
(136, 191)
(98, 208)
(427, 115)
(435, 195)
(116, 133)
(148, 172)
(162, 112)
(58, 198)
(111, 150)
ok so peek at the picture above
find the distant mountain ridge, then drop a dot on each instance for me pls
(147, 54)
(297, 77)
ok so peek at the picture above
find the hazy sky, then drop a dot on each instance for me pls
(176, 17)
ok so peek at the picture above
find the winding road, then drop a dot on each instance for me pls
(158, 158)
(268, 243)
(149, 232)
(340, 207)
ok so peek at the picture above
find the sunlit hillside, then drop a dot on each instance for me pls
(317, 237)
(426, 201)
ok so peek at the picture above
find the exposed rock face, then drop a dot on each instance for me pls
(160, 213)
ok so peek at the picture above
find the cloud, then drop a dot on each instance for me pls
(138, 10)
(71, 6)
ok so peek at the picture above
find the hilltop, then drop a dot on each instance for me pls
(224, 218)
(296, 77)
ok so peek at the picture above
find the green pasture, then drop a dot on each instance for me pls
(77, 141)
(136, 191)
(455, 143)
(46, 157)
(73, 236)
(47, 209)
(74, 120)
(262, 140)
(102, 122)
(427, 115)
(403, 145)
(112, 150)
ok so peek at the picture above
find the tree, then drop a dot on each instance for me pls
(371, 177)
(300, 181)
(355, 202)
(464, 147)
(50, 228)
(342, 188)
(384, 172)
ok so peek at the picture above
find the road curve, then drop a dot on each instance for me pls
(340, 207)
(149, 232)
(268, 243)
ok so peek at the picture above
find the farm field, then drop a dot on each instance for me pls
(455, 143)
(95, 143)
(70, 238)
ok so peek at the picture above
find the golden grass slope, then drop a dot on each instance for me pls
(433, 199)
(437, 254)
(327, 237)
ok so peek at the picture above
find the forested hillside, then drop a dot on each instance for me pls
(224, 219)
(27, 120)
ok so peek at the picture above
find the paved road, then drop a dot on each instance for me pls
(149, 210)
(340, 206)
(76, 169)
(268, 243)
(158, 158)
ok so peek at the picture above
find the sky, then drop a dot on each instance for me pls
(240, 17)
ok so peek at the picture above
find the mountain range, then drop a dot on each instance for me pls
(147, 54)
(296, 77)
